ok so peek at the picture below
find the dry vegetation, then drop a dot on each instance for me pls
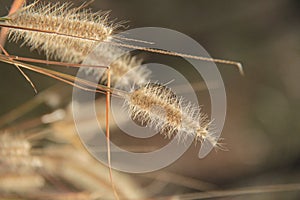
(42, 157)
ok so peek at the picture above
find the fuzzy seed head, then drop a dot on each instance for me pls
(15, 153)
(157, 106)
(61, 19)
(156, 102)
(125, 70)
(122, 75)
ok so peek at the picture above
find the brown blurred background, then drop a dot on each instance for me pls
(262, 129)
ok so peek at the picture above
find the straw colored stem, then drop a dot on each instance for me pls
(108, 136)
(159, 51)
(69, 79)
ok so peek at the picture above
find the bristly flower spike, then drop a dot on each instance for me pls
(157, 106)
(60, 18)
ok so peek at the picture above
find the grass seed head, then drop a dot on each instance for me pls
(157, 106)
(15, 153)
(62, 19)
(125, 69)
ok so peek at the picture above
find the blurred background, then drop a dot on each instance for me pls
(262, 129)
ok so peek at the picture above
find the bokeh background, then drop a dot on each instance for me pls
(262, 129)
